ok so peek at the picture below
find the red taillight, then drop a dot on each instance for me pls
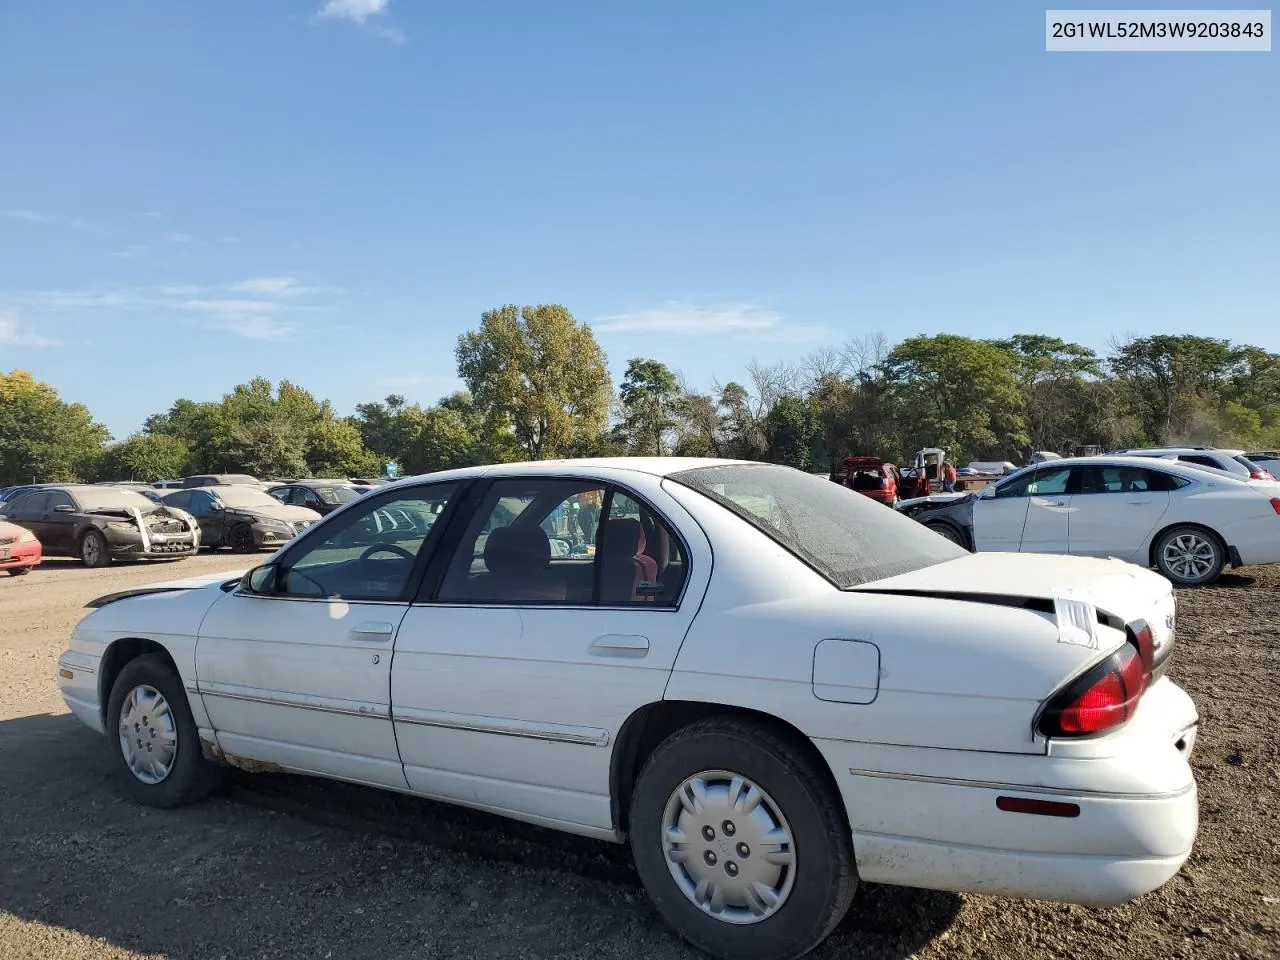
(1275, 504)
(1103, 698)
(885, 483)
(1260, 475)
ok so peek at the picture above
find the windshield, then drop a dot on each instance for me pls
(244, 497)
(848, 538)
(112, 500)
(335, 494)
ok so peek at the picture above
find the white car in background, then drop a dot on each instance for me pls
(1187, 521)
(1233, 462)
(770, 685)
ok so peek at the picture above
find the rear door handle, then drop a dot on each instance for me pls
(620, 645)
(372, 631)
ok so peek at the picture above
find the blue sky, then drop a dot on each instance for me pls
(195, 194)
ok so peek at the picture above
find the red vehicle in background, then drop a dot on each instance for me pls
(20, 549)
(871, 477)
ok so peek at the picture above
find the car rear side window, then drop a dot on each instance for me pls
(846, 537)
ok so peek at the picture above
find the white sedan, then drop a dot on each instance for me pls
(1186, 521)
(769, 685)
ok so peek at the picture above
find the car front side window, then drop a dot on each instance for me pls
(371, 554)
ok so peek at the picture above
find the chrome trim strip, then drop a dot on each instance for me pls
(582, 736)
(65, 664)
(347, 708)
(1021, 787)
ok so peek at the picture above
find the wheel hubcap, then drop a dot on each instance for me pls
(148, 734)
(1190, 556)
(728, 847)
(91, 550)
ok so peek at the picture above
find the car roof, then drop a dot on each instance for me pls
(1133, 460)
(581, 467)
(1150, 451)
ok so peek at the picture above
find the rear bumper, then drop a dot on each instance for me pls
(928, 818)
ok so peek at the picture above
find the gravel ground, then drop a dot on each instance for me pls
(277, 867)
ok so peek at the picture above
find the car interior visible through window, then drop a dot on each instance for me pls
(543, 542)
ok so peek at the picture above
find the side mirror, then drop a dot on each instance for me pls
(64, 508)
(216, 506)
(260, 579)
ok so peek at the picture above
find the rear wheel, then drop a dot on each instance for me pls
(93, 549)
(1190, 556)
(154, 738)
(19, 571)
(741, 842)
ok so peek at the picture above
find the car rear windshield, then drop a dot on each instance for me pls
(339, 494)
(848, 538)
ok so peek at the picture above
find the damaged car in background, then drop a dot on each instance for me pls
(241, 517)
(99, 524)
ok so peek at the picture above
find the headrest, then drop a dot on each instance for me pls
(511, 550)
(623, 537)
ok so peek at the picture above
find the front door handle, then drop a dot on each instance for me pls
(620, 645)
(372, 631)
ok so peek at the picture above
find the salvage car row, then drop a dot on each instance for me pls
(99, 523)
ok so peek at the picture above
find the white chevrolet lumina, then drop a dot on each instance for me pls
(770, 685)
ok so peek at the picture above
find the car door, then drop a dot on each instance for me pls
(28, 510)
(1117, 508)
(528, 649)
(204, 508)
(999, 514)
(1049, 499)
(294, 667)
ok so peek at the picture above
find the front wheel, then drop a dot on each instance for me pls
(93, 549)
(154, 738)
(19, 571)
(948, 532)
(241, 539)
(1190, 556)
(741, 842)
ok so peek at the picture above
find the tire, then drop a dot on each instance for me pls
(240, 539)
(949, 532)
(93, 549)
(814, 889)
(19, 571)
(188, 777)
(1190, 556)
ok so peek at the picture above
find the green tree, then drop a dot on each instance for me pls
(42, 437)
(145, 457)
(1172, 379)
(539, 374)
(958, 393)
(648, 393)
(1054, 376)
(792, 427)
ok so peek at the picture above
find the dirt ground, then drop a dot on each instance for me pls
(277, 867)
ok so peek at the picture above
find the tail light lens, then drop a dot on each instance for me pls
(1275, 504)
(1142, 637)
(1260, 475)
(1101, 699)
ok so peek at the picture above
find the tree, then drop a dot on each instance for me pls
(42, 437)
(648, 393)
(792, 427)
(959, 393)
(1172, 379)
(1054, 376)
(146, 457)
(539, 374)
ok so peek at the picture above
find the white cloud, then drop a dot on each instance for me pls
(355, 10)
(14, 333)
(360, 13)
(35, 216)
(63, 299)
(132, 253)
(250, 326)
(688, 320)
(272, 287)
(176, 236)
